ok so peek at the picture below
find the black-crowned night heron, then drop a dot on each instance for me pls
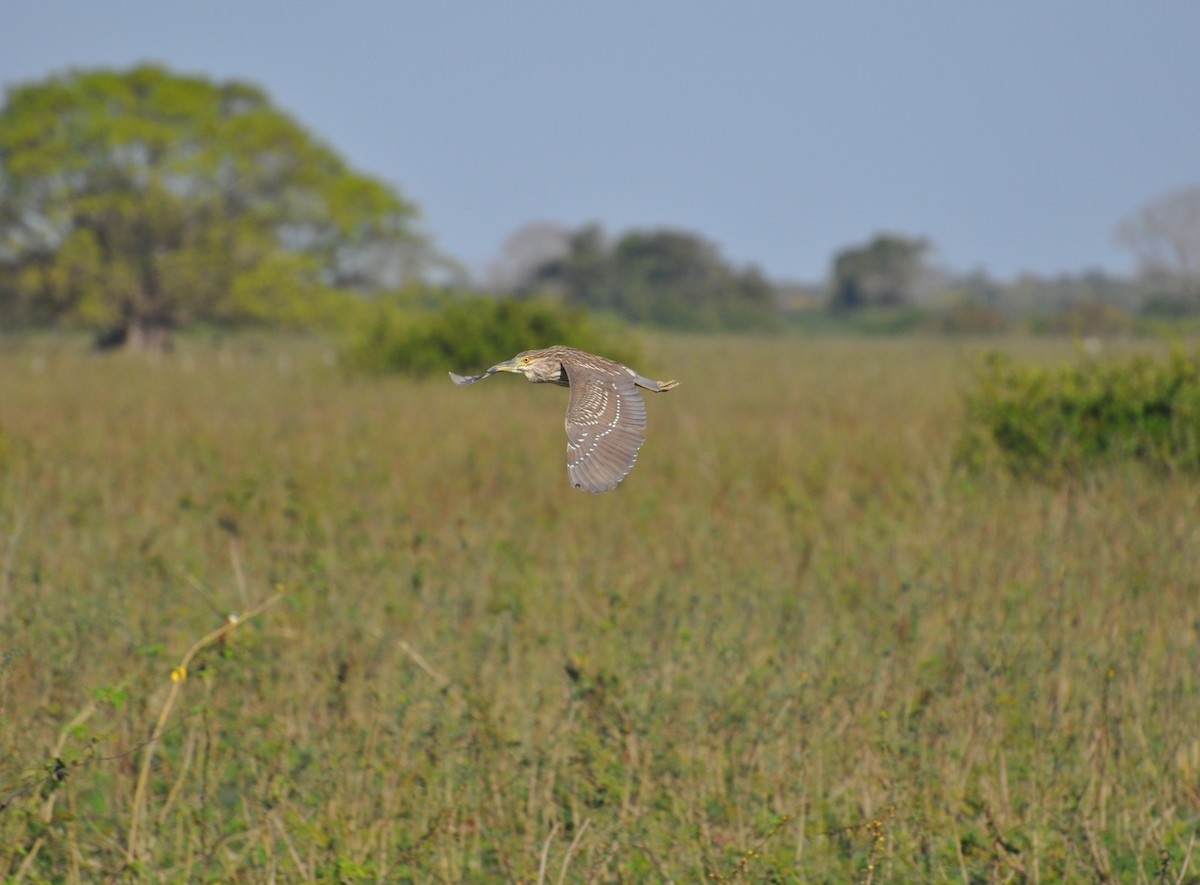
(605, 414)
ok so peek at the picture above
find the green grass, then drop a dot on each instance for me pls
(793, 646)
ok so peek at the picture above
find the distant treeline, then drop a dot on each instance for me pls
(677, 279)
(667, 278)
(135, 203)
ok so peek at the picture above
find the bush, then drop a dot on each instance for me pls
(470, 334)
(1054, 422)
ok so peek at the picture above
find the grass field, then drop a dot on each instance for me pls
(793, 646)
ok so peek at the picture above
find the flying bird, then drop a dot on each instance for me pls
(605, 413)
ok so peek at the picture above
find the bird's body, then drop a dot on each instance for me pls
(605, 413)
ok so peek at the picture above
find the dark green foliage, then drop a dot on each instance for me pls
(886, 272)
(1059, 421)
(672, 279)
(470, 334)
(676, 280)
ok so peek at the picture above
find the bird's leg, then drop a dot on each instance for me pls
(652, 385)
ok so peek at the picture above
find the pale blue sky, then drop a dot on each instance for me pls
(1015, 135)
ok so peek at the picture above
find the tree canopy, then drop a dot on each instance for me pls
(134, 202)
(886, 272)
(665, 277)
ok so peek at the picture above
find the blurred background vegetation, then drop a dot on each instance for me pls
(139, 203)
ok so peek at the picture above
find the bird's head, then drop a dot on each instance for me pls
(535, 365)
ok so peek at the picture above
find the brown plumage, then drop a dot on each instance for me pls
(605, 413)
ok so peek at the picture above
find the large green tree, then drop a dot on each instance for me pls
(134, 202)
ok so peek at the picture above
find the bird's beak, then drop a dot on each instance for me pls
(506, 366)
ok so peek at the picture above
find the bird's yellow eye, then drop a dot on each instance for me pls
(525, 361)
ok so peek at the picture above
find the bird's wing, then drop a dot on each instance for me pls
(605, 420)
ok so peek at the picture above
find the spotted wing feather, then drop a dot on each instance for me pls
(605, 420)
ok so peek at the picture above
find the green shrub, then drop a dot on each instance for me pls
(470, 334)
(1053, 422)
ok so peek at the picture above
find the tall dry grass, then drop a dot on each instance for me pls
(792, 646)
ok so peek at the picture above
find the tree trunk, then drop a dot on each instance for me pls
(136, 334)
(148, 335)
